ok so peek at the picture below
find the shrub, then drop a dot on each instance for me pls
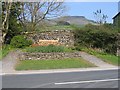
(96, 37)
(20, 41)
(48, 49)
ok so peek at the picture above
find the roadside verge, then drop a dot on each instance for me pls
(59, 71)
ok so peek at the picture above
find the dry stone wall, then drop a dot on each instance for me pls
(48, 56)
(65, 37)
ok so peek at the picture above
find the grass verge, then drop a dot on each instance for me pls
(4, 50)
(109, 58)
(53, 64)
(112, 59)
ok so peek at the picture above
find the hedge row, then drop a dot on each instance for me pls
(96, 38)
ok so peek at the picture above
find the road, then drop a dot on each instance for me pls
(89, 79)
(0, 75)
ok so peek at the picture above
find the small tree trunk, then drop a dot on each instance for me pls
(3, 37)
(5, 24)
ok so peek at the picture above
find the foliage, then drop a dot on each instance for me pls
(11, 26)
(48, 49)
(53, 64)
(100, 37)
(20, 41)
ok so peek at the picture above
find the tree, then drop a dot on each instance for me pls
(10, 24)
(33, 13)
(0, 15)
(6, 6)
(100, 18)
(29, 14)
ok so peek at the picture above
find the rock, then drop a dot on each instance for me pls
(66, 37)
(46, 56)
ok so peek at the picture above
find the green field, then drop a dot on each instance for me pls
(58, 27)
(53, 64)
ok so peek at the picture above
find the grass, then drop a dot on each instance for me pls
(48, 49)
(53, 64)
(109, 58)
(112, 59)
(4, 50)
(58, 27)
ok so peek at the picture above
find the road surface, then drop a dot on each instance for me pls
(89, 79)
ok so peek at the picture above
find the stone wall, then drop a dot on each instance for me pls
(47, 56)
(65, 37)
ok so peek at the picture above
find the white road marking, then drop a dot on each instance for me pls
(79, 82)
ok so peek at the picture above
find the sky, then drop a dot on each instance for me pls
(87, 8)
(90, 0)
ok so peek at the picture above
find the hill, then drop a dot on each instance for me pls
(76, 20)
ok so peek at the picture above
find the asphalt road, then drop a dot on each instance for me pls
(89, 79)
(0, 75)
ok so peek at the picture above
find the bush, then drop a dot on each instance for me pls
(96, 37)
(48, 49)
(20, 41)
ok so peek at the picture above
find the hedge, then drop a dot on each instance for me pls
(96, 38)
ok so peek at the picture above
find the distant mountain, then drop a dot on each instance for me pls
(76, 20)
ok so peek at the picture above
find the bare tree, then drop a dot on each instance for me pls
(100, 18)
(34, 12)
